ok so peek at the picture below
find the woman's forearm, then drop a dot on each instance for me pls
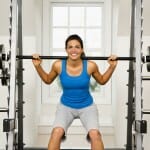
(107, 75)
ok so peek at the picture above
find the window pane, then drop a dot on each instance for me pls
(93, 16)
(59, 37)
(93, 38)
(76, 16)
(60, 16)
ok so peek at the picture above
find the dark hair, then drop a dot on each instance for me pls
(75, 37)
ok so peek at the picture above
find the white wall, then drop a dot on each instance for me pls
(32, 29)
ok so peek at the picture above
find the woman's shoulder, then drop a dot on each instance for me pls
(91, 66)
(57, 65)
(57, 62)
(91, 63)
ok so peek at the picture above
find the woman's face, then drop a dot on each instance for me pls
(74, 49)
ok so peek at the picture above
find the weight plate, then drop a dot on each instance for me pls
(4, 77)
(2, 64)
(148, 67)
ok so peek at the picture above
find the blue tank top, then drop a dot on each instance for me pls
(75, 88)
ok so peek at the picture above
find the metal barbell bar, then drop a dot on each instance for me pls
(143, 58)
(85, 57)
(6, 57)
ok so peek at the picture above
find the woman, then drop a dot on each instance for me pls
(76, 100)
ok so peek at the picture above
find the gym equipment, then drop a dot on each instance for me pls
(2, 57)
(87, 58)
(148, 64)
(138, 75)
(130, 113)
(135, 102)
(10, 75)
(5, 57)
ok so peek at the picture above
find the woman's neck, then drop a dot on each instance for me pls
(74, 63)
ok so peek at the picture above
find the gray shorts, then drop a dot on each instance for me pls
(88, 116)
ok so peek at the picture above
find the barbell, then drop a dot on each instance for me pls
(65, 57)
(6, 57)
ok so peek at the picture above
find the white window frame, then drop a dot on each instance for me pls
(46, 36)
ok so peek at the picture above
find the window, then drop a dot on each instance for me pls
(82, 19)
(90, 22)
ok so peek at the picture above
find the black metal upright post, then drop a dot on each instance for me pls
(20, 79)
(130, 112)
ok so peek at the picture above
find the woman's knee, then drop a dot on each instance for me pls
(57, 132)
(94, 134)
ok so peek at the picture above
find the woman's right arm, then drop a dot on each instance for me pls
(46, 77)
